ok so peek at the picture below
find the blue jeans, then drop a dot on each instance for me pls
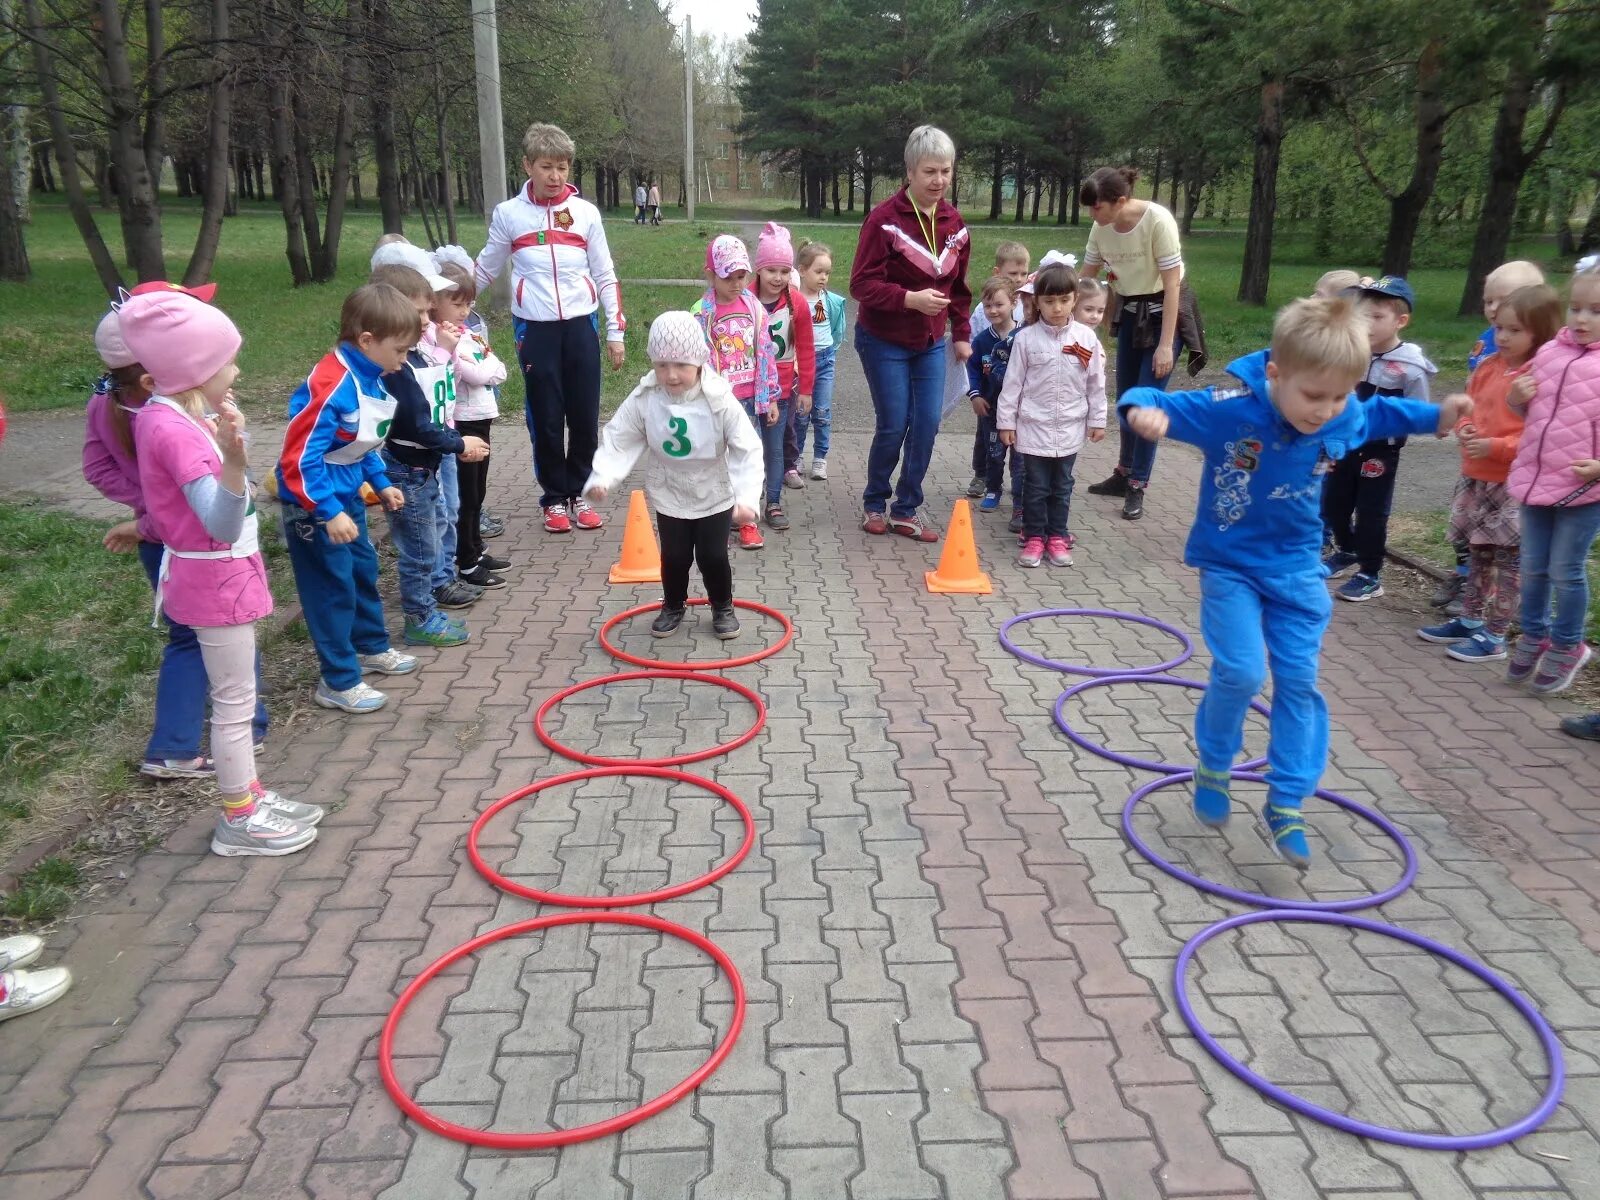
(989, 457)
(338, 587)
(771, 444)
(1555, 555)
(450, 512)
(415, 531)
(181, 684)
(907, 395)
(1136, 456)
(820, 417)
(1249, 622)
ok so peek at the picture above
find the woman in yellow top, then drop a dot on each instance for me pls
(1136, 242)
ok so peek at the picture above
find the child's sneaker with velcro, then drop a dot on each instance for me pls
(1526, 654)
(265, 833)
(1559, 668)
(1360, 588)
(1059, 552)
(1448, 634)
(990, 502)
(1212, 803)
(359, 699)
(1339, 563)
(1288, 831)
(178, 768)
(390, 662)
(300, 814)
(438, 630)
(1032, 553)
(1482, 646)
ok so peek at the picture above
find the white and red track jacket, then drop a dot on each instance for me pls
(560, 263)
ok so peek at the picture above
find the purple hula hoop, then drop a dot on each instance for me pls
(1040, 660)
(1128, 760)
(1400, 1137)
(1256, 898)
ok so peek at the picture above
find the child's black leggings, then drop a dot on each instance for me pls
(703, 540)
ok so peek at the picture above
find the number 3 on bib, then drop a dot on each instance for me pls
(678, 444)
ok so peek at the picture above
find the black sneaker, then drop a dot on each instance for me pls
(1133, 504)
(456, 595)
(725, 622)
(667, 622)
(1448, 591)
(481, 577)
(1116, 485)
(775, 517)
(1015, 524)
(493, 563)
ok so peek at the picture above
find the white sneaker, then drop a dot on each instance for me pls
(819, 468)
(359, 699)
(19, 951)
(293, 810)
(29, 991)
(390, 662)
(265, 832)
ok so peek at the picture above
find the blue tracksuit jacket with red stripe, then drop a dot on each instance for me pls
(326, 417)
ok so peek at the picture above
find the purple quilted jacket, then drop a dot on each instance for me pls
(1563, 424)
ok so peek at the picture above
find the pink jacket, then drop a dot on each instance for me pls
(1055, 389)
(112, 470)
(1563, 424)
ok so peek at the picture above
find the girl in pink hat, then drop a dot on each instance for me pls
(212, 578)
(789, 319)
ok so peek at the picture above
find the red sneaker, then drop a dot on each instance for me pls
(556, 520)
(875, 522)
(586, 516)
(913, 528)
(750, 537)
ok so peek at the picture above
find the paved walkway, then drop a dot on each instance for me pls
(959, 974)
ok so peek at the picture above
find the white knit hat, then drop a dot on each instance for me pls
(676, 337)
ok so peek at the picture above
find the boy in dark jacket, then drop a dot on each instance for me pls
(986, 372)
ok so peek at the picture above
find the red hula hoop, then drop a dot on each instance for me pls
(600, 760)
(580, 1133)
(639, 898)
(720, 665)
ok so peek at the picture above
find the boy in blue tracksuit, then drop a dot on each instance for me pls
(337, 421)
(1256, 541)
(986, 374)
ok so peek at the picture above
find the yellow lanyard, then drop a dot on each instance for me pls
(929, 230)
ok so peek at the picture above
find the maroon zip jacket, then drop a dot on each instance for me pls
(892, 258)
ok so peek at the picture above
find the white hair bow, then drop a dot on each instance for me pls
(1052, 257)
(453, 254)
(1588, 262)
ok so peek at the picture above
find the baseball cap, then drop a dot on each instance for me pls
(404, 254)
(206, 291)
(725, 255)
(1393, 286)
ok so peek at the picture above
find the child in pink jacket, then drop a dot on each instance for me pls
(1556, 479)
(1053, 400)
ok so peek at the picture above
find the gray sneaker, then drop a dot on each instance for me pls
(300, 814)
(456, 594)
(390, 662)
(29, 991)
(265, 833)
(359, 699)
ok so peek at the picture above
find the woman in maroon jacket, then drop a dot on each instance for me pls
(910, 278)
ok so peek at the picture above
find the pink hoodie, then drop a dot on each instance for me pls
(111, 470)
(1563, 424)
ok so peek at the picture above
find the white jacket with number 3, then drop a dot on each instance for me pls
(703, 453)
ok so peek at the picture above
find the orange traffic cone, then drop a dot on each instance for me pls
(958, 565)
(641, 557)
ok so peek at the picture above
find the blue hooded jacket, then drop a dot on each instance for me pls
(1261, 487)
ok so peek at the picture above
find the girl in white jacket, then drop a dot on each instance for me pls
(704, 473)
(1053, 400)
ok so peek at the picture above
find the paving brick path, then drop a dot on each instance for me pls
(958, 972)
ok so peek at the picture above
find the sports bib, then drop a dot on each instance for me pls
(439, 386)
(682, 431)
(372, 425)
(780, 324)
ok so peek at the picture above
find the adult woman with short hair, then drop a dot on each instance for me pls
(910, 280)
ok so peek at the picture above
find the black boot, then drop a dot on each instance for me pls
(667, 622)
(1133, 504)
(1115, 485)
(724, 622)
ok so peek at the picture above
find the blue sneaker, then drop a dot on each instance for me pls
(990, 502)
(1212, 803)
(1339, 563)
(1288, 833)
(1482, 646)
(437, 630)
(1361, 587)
(1452, 631)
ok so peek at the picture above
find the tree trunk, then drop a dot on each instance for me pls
(136, 197)
(1155, 179)
(1257, 270)
(997, 184)
(344, 134)
(1407, 207)
(836, 191)
(155, 126)
(1077, 182)
(384, 151)
(1038, 191)
(13, 247)
(452, 236)
(1193, 185)
(66, 155)
(1172, 186)
(866, 185)
(1508, 163)
(218, 151)
(1022, 190)
(286, 172)
(307, 169)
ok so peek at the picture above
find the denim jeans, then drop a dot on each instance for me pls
(989, 457)
(450, 513)
(181, 684)
(907, 395)
(1048, 498)
(771, 444)
(820, 418)
(1136, 456)
(415, 531)
(338, 588)
(1555, 554)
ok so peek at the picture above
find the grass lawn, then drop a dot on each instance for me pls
(48, 360)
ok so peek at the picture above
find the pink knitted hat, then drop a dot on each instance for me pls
(676, 337)
(181, 342)
(725, 255)
(774, 249)
(108, 343)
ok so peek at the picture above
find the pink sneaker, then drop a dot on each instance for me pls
(1032, 553)
(1059, 552)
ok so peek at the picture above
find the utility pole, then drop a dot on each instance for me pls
(688, 116)
(491, 125)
